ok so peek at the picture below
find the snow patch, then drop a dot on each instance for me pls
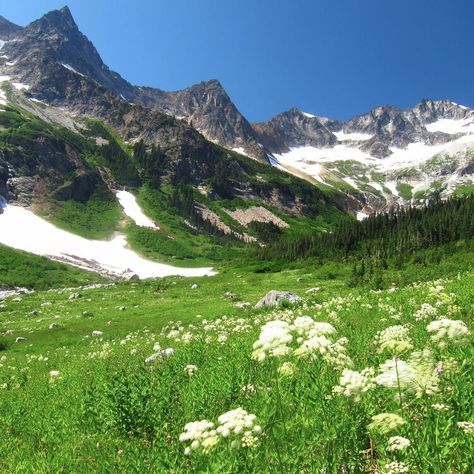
(37, 101)
(3, 101)
(67, 66)
(343, 136)
(308, 115)
(452, 126)
(2, 44)
(361, 215)
(23, 230)
(132, 209)
(20, 87)
(240, 150)
(4, 78)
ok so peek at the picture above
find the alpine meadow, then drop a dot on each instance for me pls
(185, 290)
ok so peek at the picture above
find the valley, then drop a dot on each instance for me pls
(185, 291)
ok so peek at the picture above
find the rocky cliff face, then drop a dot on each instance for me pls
(210, 110)
(295, 129)
(61, 66)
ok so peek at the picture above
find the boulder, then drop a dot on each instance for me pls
(273, 298)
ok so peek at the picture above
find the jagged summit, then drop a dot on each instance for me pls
(8, 30)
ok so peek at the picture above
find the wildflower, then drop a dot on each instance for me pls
(190, 369)
(448, 331)
(418, 376)
(426, 311)
(316, 345)
(398, 443)
(241, 426)
(287, 369)
(97, 333)
(249, 388)
(394, 339)
(54, 373)
(466, 426)
(201, 435)
(395, 467)
(355, 384)
(386, 422)
(273, 340)
(440, 407)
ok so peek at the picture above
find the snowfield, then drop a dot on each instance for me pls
(132, 209)
(23, 230)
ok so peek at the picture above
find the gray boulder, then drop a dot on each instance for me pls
(273, 298)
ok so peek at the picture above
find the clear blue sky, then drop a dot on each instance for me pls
(329, 57)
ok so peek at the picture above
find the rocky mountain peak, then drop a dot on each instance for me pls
(294, 128)
(429, 110)
(52, 47)
(59, 21)
(8, 30)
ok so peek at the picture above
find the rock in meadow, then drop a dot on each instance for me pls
(273, 298)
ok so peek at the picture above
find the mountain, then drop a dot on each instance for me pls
(61, 66)
(383, 158)
(371, 162)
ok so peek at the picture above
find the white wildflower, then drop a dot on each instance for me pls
(201, 436)
(396, 467)
(466, 426)
(353, 384)
(447, 332)
(386, 422)
(440, 407)
(273, 340)
(287, 369)
(240, 427)
(190, 369)
(418, 376)
(426, 311)
(398, 443)
(394, 339)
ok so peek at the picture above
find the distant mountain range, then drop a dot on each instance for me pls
(373, 161)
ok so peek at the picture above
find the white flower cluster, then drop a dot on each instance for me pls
(190, 369)
(355, 385)
(394, 339)
(311, 338)
(201, 435)
(237, 426)
(287, 369)
(396, 467)
(159, 353)
(446, 332)
(386, 422)
(426, 311)
(418, 376)
(273, 340)
(466, 426)
(398, 443)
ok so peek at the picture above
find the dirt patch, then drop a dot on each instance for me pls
(256, 213)
(216, 221)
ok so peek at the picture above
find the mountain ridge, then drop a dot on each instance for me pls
(56, 63)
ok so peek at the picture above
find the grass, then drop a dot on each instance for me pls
(405, 190)
(27, 270)
(97, 218)
(109, 411)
